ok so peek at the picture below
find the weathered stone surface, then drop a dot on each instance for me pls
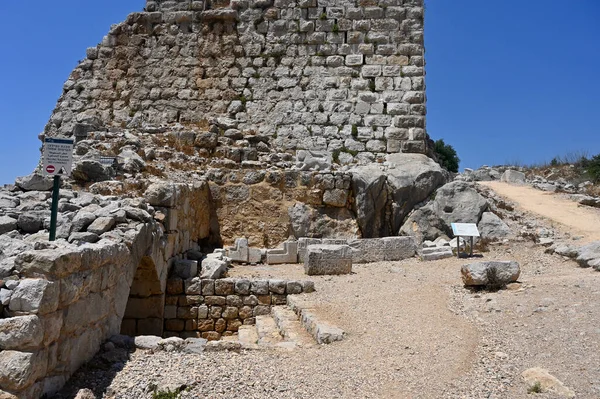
(21, 333)
(88, 170)
(7, 224)
(382, 249)
(492, 227)
(492, 273)
(18, 370)
(34, 182)
(185, 269)
(56, 263)
(35, 296)
(213, 268)
(101, 225)
(588, 254)
(30, 222)
(161, 194)
(328, 259)
(287, 254)
(513, 176)
(147, 342)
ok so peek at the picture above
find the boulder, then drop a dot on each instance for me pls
(588, 254)
(147, 342)
(186, 268)
(101, 225)
(34, 182)
(513, 176)
(455, 202)
(459, 202)
(82, 220)
(87, 170)
(30, 222)
(161, 194)
(300, 217)
(7, 224)
(492, 227)
(132, 162)
(494, 274)
(485, 173)
(213, 268)
(385, 196)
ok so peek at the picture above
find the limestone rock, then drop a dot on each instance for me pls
(7, 224)
(35, 296)
(18, 370)
(30, 222)
(185, 268)
(328, 259)
(213, 268)
(34, 182)
(147, 342)
(588, 253)
(85, 393)
(101, 225)
(370, 190)
(547, 382)
(87, 170)
(513, 176)
(82, 220)
(21, 332)
(161, 194)
(492, 273)
(492, 227)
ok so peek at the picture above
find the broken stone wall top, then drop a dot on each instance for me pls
(342, 76)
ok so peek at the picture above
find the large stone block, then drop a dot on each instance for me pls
(19, 370)
(21, 332)
(186, 268)
(382, 249)
(287, 254)
(328, 259)
(494, 273)
(35, 296)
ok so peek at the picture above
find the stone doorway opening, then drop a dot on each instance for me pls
(145, 306)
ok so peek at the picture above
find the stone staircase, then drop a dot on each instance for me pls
(287, 327)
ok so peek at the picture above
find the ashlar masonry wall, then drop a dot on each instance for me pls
(336, 75)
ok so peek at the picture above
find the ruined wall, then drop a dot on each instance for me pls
(211, 308)
(61, 300)
(309, 74)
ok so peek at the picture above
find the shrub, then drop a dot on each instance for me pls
(446, 155)
(593, 168)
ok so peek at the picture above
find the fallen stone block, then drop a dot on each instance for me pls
(436, 253)
(493, 273)
(303, 243)
(287, 254)
(382, 249)
(513, 176)
(147, 342)
(239, 251)
(328, 259)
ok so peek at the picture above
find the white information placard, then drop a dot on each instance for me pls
(465, 229)
(58, 156)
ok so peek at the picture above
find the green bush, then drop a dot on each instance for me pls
(446, 155)
(593, 168)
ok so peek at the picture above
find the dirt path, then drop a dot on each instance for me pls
(573, 218)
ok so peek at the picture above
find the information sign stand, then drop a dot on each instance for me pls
(464, 230)
(58, 159)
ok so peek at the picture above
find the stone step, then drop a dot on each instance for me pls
(321, 331)
(267, 330)
(248, 337)
(290, 327)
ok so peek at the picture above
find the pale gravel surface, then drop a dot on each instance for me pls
(413, 332)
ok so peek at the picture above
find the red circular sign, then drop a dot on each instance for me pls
(50, 168)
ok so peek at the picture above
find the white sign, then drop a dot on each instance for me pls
(465, 229)
(58, 156)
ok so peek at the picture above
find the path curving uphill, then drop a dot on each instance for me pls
(573, 218)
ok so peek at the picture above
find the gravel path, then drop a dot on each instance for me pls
(413, 332)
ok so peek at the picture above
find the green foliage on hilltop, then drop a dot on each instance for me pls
(446, 155)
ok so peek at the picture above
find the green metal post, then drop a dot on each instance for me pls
(54, 210)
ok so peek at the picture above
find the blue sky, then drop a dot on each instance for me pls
(510, 81)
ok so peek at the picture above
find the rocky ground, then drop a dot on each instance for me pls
(413, 331)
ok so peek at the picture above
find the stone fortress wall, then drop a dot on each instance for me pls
(345, 75)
